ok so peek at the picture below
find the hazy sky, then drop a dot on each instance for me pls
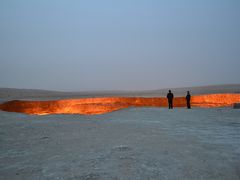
(118, 45)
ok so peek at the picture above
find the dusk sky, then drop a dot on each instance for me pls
(118, 45)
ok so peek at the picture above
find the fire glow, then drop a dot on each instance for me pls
(92, 106)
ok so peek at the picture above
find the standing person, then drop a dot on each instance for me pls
(170, 97)
(188, 99)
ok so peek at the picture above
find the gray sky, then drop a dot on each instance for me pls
(118, 45)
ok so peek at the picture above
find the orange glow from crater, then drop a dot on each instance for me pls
(103, 105)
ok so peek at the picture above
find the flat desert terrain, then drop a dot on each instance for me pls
(133, 143)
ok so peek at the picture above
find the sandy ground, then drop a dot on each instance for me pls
(135, 143)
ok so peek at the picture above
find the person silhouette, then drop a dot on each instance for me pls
(188, 99)
(170, 97)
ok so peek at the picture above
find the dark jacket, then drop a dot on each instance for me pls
(170, 96)
(188, 97)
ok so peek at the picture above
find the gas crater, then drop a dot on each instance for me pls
(93, 106)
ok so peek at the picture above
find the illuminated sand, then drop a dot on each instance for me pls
(103, 105)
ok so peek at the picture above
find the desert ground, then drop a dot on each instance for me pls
(33, 94)
(133, 143)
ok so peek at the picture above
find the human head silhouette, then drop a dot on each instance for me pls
(188, 92)
(169, 91)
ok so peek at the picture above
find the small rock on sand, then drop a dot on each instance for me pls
(236, 106)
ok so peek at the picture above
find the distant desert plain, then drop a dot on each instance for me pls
(42, 102)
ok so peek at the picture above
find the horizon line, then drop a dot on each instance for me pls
(74, 91)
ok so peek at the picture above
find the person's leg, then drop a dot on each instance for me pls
(188, 105)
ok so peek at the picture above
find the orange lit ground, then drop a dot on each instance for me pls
(109, 104)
